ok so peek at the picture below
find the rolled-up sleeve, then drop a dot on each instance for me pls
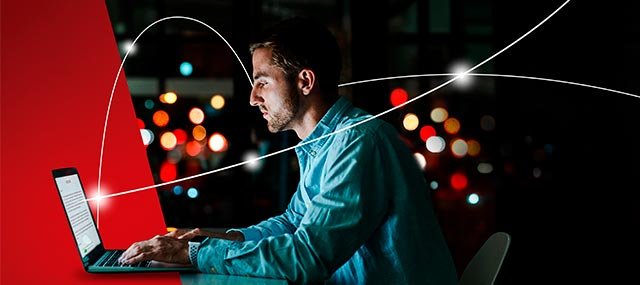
(341, 218)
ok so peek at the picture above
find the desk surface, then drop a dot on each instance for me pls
(201, 279)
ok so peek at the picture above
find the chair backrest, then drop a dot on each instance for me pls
(484, 266)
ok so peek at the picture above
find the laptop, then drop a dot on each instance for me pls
(95, 258)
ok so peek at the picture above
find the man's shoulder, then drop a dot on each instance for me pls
(359, 123)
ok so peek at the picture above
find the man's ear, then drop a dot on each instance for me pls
(306, 81)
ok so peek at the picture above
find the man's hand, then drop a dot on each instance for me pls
(189, 234)
(159, 248)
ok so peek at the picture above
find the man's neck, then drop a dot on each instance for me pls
(311, 116)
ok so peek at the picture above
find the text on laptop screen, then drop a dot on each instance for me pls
(79, 213)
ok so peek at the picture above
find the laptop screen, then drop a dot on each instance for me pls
(77, 208)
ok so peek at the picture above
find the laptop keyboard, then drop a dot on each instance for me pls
(110, 259)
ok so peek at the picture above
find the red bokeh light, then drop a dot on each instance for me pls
(181, 136)
(426, 132)
(168, 172)
(398, 96)
(459, 181)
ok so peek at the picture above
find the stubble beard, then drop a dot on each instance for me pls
(290, 107)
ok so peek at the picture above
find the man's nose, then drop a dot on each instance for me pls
(255, 99)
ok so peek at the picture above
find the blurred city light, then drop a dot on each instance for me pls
(181, 136)
(217, 102)
(434, 185)
(196, 115)
(459, 148)
(160, 118)
(168, 98)
(439, 115)
(168, 172)
(192, 193)
(217, 143)
(193, 148)
(186, 68)
(178, 189)
(199, 133)
(147, 136)
(426, 132)
(422, 161)
(473, 147)
(168, 141)
(487, 123)
(149, 104)
(140, 123)
(485, 168)
(410, 122)
(473, 198)
(459, 181)
(452, 126)
(435, 144)
(398, 96)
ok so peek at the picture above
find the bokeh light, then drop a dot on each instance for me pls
(439, 115)
(186, 68)
(168, 172)
(459, 148)
(160, 118)
(452, 126)
(147, 136)
(168, 141)
(434, 185)
(196, 115)
(459, 181)
(398, 96)
(193, 148)
(199, 133)
(435, 144)
(217, 143)
(473, 199)
(426, 132)
(140, 123)
(217, 102)
(473, 147)
(410, 122)
(168, 98)
(181, 136)
(487, 123)
(177, 190)
(192, 193)
(485, 168)
(149, 104)
(422, 161)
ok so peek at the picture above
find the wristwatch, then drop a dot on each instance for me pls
(194, 246)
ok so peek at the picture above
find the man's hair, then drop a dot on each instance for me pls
(299, 43)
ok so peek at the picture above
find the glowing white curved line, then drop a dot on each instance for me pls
(340, 130)
(367, 81)
(106, 120)
(491, 75)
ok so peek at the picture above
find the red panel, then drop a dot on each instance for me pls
(59, 60)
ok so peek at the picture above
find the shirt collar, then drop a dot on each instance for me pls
(325, 126)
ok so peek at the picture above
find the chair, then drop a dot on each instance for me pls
(483, 268)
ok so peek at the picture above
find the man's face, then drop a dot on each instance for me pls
(272, 93)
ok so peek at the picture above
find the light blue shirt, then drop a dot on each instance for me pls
(362, 214)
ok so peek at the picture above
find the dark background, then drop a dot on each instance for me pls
(564, 157)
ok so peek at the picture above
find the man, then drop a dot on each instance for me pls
(361, 213)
